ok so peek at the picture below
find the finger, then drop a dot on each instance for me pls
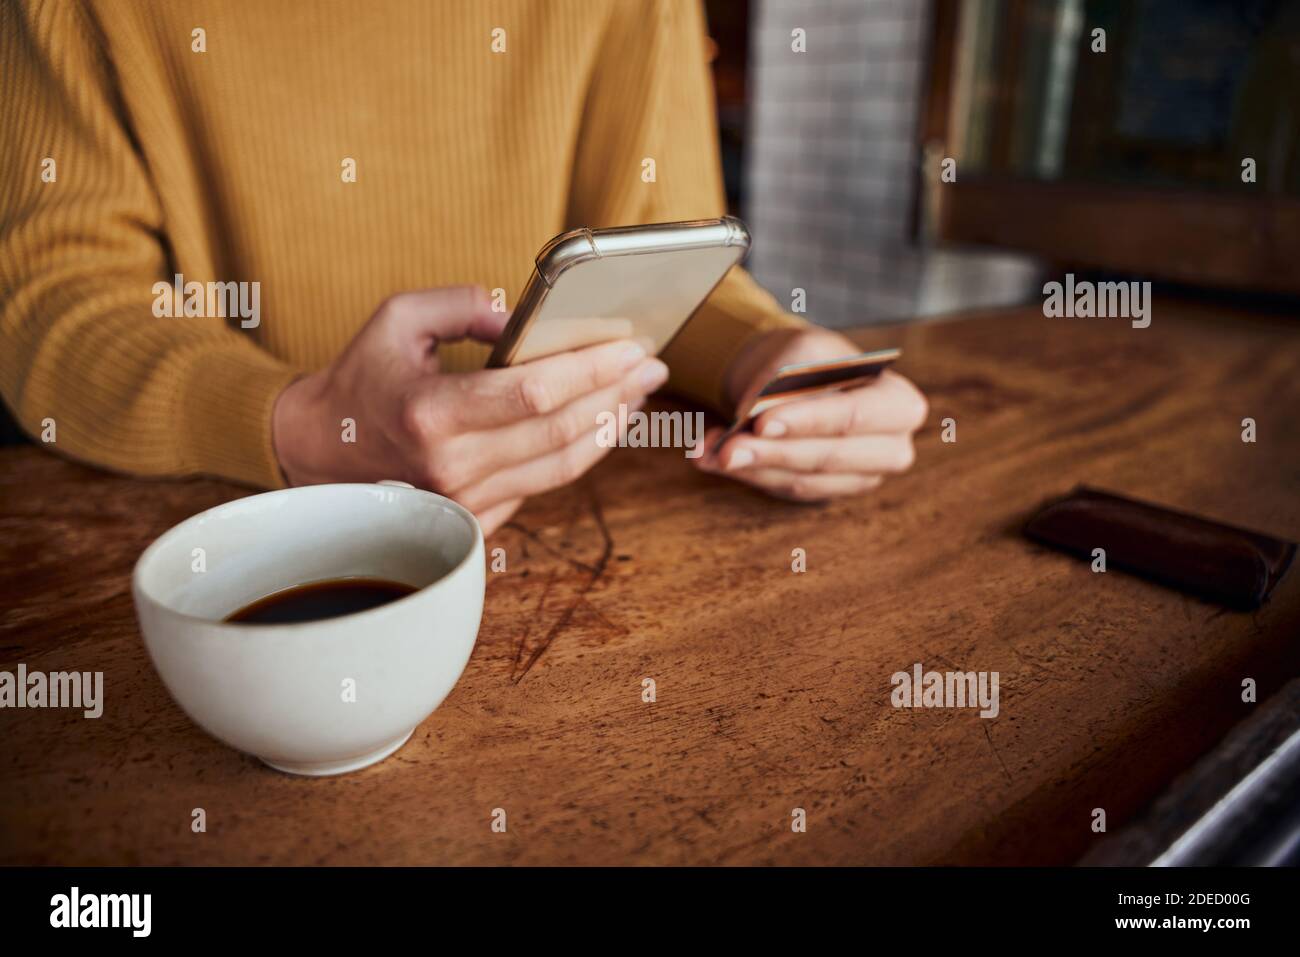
(475, 401)
(493, 518)
(709, 442)
(534, 477)
(803, 487)
(889, 404)
(845, 453)
(430, 316)
(476, 455)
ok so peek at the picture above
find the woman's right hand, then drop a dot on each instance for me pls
(487, 439)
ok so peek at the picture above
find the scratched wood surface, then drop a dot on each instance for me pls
(772, 687)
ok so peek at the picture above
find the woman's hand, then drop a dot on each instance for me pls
(841, 443)
(487, 439)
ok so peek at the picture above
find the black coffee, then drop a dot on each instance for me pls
(320, 600)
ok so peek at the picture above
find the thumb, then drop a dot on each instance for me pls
(444, 315)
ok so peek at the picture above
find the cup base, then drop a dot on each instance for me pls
(319, 769)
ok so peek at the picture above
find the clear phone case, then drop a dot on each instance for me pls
(631, 282)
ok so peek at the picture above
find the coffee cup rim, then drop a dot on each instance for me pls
(287, 628)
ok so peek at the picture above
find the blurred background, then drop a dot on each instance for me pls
(1118, 154)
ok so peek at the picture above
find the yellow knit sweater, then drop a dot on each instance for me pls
(219, 141)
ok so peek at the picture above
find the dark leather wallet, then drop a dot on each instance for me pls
(1217, 562)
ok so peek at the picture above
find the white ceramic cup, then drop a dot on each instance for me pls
(318, 697)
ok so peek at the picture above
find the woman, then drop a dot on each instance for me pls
(376, 160)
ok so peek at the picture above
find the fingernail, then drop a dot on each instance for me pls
(632, 355)
(653, 375)
(773, 429)
(739, 459)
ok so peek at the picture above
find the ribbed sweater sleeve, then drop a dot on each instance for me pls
(82, 243)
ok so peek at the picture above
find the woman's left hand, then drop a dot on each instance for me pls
(827, 446)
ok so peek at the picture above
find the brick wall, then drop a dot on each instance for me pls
(832, 169)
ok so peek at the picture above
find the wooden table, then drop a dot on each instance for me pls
(772, 688)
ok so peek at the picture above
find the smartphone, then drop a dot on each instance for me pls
(630, 282)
